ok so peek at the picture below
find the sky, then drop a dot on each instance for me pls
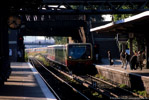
(37, 39)
(107, 17)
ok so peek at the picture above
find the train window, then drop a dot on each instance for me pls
(64, 52)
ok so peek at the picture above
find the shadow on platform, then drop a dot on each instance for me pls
(21, 85)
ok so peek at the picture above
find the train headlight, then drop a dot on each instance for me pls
(89, 57)
(70, 57)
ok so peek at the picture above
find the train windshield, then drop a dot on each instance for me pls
(79, 52)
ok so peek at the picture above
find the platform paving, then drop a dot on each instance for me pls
(23, 85)
(118, 66)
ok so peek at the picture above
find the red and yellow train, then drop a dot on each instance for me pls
(70, 55)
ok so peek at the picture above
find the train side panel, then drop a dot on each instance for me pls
(60, 55)
(51, 53)
(57, 54)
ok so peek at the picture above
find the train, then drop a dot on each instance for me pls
(75, 56)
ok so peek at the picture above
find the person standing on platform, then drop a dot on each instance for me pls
(127, 57)
(110, 58)
(122, 58)
(133, 61)
(140, 59)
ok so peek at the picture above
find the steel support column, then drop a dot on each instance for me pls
(123, 46)
(87, 30)
(4, 47)
(131, 47)
(147, 52)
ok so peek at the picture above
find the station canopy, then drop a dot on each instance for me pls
(135, 24)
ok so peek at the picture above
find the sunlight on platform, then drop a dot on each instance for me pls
(22, 85)
(21, 98)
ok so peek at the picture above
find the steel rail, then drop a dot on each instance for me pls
(63, 81)
(87, 84)
(46, 82)
(135, 94)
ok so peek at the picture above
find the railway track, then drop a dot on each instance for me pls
(129, 93)
(64, 90)
(104, 87)
(108, 90)
(33, 62)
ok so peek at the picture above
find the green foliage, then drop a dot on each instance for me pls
(142, 93)
(123, 16)
(97, 75)
(60, 40)
(100, 76)
(96, 94)
(93, 18)
(134, 44)
(42, 59)
(26, 57)
(123, 86)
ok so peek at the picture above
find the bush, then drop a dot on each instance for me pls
(122, 86)
(142, 93)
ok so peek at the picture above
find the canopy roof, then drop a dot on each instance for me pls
(135, 24)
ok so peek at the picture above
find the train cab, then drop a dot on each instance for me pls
(79, 54)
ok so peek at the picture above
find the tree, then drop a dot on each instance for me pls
(60, 40)
(123, 16)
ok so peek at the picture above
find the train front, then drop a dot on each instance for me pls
(79, 56)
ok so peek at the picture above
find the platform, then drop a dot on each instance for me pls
(25, 83)
(135, 79)
(118, 66)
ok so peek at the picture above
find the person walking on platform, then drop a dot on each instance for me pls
(140, 59)
(110, 58)
(133, 62)
(127, 57)
(122, 58)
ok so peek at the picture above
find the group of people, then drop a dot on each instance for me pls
(136, 61)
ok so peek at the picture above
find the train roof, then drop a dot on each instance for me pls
(35, 48)
(68, 44)
(56, 46)
(78, 43)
